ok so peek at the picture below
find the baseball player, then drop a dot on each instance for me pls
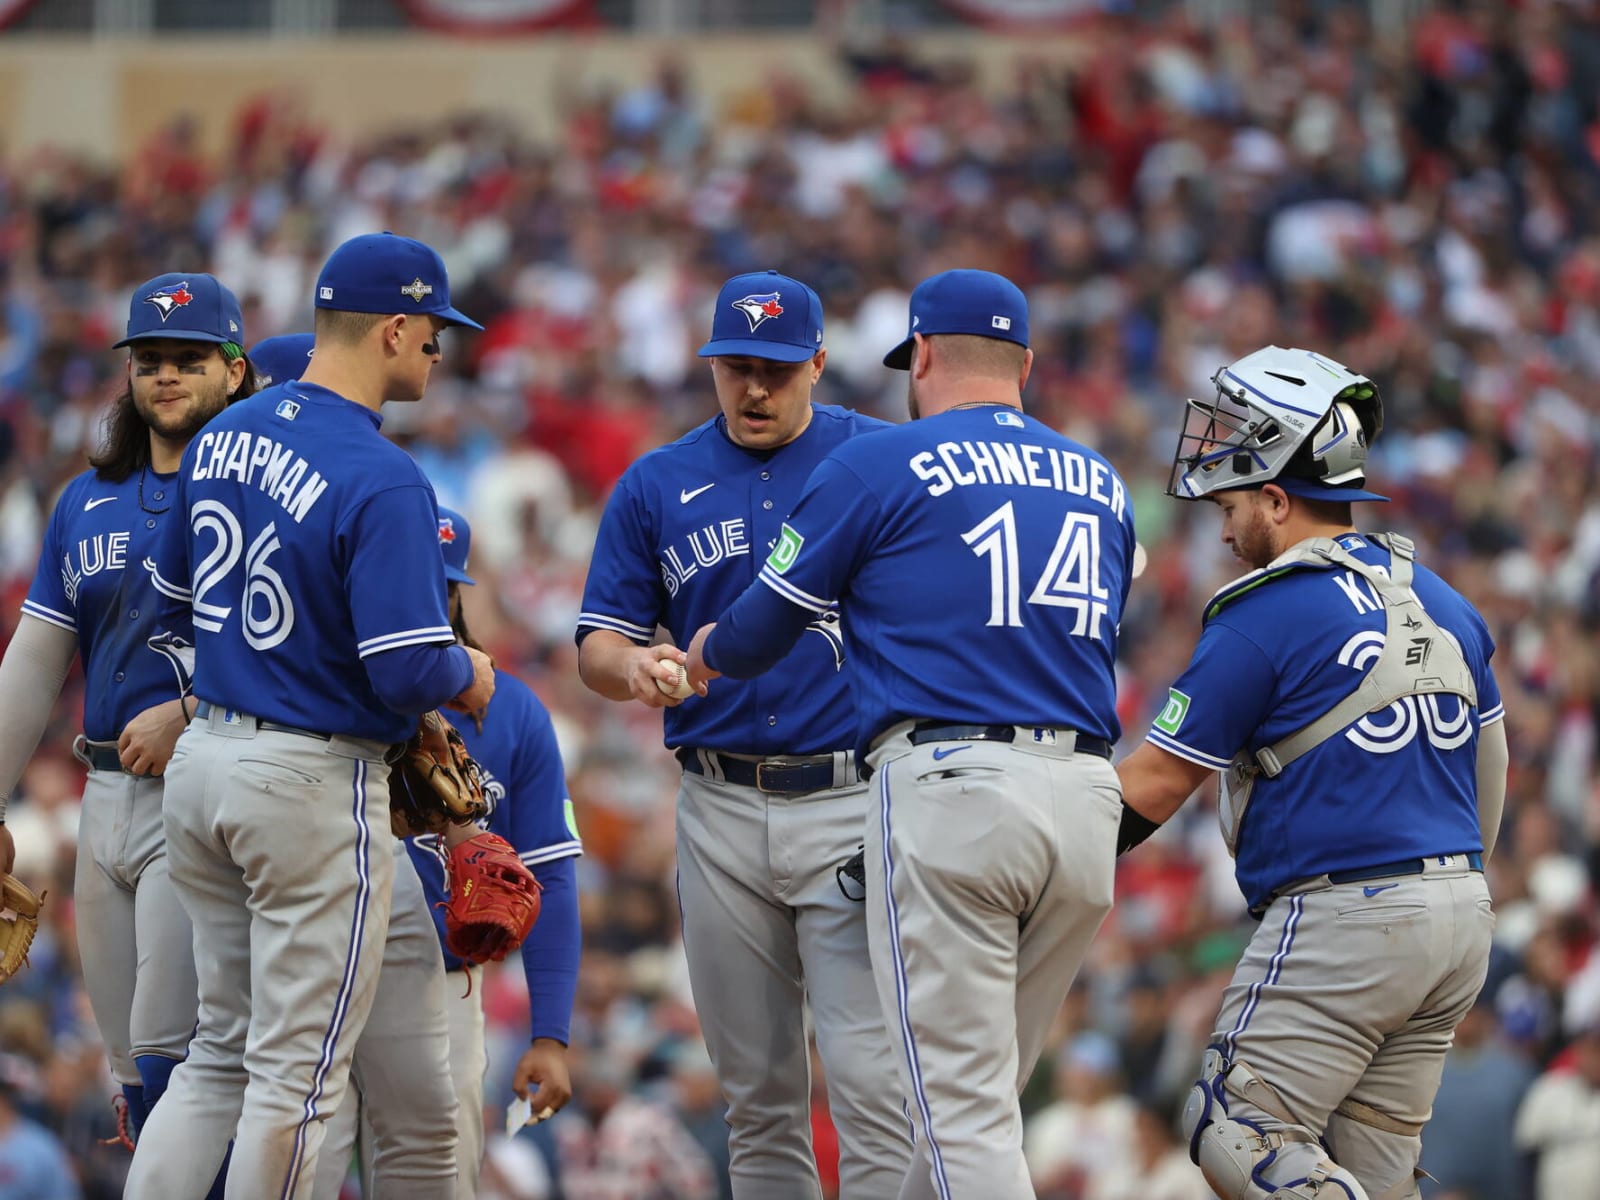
(282, 358)
(981, 562)
(1345, 693)
(90, 597)
(770, 803)
(320, 632)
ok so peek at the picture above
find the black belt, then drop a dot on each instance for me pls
(934, 731)
(1406, 866)
(98, 758)
(205, 707)
(787, 777)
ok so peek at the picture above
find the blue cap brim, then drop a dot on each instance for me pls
(1309, 490)
(456, 317)
(173, 335)
(457, 575)
(899, 359)
(756, 348)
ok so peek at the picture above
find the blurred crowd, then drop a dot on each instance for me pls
(1175, 197)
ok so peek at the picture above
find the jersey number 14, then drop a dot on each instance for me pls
(1070, 579)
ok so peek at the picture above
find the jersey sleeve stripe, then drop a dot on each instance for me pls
(545, 854)
(791, 593)
(627, 629)
(1497, 713)
(166, 587)
(405, 637)
(50, 615)
(1173, 746)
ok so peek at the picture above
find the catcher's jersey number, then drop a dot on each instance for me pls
(1070, 579)
(266, 608)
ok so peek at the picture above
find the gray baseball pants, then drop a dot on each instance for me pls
(1346, 1002)
(280, 850)
(134, 937)
(401, 1097)
(989, 871)
(767, 928)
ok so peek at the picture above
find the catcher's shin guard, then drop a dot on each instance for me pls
(1244, 1158)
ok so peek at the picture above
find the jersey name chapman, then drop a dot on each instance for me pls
(258, 461)
(950, 465)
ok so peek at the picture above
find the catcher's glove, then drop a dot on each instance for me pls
(17, 934)
(435, 783)
(494, 899)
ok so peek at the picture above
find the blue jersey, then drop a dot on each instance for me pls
(91, 582)
(526, 791)
(684, 533)
(981, 561)
(310, 542)
(1396, 784)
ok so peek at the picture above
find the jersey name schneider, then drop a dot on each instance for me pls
(258, 461)
(950, 465)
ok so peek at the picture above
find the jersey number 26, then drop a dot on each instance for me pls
(268, 607)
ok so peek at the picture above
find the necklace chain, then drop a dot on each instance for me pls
(143, 471)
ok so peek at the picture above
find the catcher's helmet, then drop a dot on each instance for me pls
(1290, 417)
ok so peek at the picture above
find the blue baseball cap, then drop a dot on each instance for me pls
(189, 308)
(455, 542)
(766, 315)
(386, 273)
(979, 303)
(282, 358)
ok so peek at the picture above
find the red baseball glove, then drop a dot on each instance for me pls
(494, 899)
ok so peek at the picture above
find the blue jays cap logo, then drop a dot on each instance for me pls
(168, 300)
(758, 309)
(447, 531)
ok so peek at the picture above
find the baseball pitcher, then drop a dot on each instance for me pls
(771, 804)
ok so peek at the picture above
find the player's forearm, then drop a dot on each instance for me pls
(755, 633)
(605, 663)
(1155, 783)
(1494, 757)
(31, 674)
(550, 953)
(415, 679)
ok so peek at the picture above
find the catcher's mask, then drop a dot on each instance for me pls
(1290, 417)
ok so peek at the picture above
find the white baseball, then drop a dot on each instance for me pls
(680, 690)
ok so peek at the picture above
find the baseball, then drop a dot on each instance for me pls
(680, 690)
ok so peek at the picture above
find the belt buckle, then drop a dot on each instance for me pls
(761, 769)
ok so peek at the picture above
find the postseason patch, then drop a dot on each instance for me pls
(1172, 715)
(786, 551)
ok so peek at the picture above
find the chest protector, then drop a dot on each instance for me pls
(1418, 658)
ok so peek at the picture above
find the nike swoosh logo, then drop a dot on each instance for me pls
(1370, 892)
(685, 496)
(941, 755)
(96, 503)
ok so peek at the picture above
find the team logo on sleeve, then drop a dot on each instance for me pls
(169, 300)
(786, 551)
(1172, 715)
(759, 309)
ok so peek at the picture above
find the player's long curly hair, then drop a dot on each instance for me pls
(125, 438)
(458, 624)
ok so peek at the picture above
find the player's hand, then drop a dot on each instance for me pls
(699, 673)
(544, 1063)
(8, 851)
(478, 692)
(650, 663)
(147, 741)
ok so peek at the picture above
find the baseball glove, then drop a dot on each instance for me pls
(494, 899)
(16, 935)
(435, 783)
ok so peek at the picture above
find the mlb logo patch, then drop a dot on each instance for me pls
(1044, 737)
(1000, 322)
(287, 409)
(325, 293)
(1008, 418)
(232, 716)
